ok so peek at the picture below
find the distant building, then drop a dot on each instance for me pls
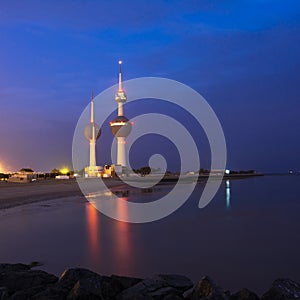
(108, 171)
(4, 177)
(24, 175)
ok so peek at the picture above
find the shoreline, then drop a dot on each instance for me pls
(17, 194)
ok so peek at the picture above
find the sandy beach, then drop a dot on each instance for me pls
(16, 194)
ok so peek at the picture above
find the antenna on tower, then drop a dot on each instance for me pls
(120, 76)
(92, 107)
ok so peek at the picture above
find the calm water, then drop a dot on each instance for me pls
(247, 236)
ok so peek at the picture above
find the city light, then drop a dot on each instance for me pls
(64, 171)
(3, 168)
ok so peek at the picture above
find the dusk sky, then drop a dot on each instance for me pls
(242, 56)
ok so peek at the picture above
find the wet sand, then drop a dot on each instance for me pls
(15, 194)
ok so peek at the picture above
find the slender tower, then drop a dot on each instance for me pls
(120, 126)
(92, 133)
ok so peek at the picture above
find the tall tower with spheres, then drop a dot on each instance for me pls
(120, 126)
(92, 133)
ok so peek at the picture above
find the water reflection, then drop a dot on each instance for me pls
(228, 196)
(93, 231)
(111, 247)
(123, 250)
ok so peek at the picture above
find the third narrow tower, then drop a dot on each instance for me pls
(120, 126)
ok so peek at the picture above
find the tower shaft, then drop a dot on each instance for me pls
(121, 154)
(120, 109)
(92, 153)
(93, 139)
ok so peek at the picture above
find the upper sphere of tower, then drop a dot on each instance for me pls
(88, 131)
(121, 97)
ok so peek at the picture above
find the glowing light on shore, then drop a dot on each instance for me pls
(64, 171)
(4, 168)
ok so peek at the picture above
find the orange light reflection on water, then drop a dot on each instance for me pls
(93, 231)
(124, 249)
(118, 249)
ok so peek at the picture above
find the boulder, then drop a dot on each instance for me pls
(157, 287)
(65, 284)
(283, 289)
(69, 277)
(79, 283)
(13, 267)
(244, 294)
(27, 293)
(51, 293)
(173, 297)
(120, 283)
(87, 288)
(100, 287)
(21, 280)
(114, 285)
(3, 293)
(206, 289)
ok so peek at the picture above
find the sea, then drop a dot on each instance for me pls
(247, 236)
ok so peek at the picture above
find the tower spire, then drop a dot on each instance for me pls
(120, 76)
(92, 107)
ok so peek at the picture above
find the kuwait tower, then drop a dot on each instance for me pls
(92, 133)
(120, 126)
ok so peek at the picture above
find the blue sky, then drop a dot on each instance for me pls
(242, 56)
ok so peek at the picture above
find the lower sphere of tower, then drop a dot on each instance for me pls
(88, 131)
(120, 126)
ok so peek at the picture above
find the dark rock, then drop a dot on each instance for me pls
(81, 283)
(227, 293)
(121, 283)
(173, 297)
(35, 264)
(3, 293)
(71, 276)
(87, 288)
(13, 267)
(157, 287)
(114, 285)
(244, 294)
(206, 289)
(177, 281)
(21, 280)
(283, 289)
(27, 293)
(65, 284)
(51, 293)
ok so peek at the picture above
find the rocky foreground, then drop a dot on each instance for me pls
(19, 281)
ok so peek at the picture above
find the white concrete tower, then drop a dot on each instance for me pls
(92, 133)
(120, 126)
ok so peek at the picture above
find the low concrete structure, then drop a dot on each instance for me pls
(23, 176)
